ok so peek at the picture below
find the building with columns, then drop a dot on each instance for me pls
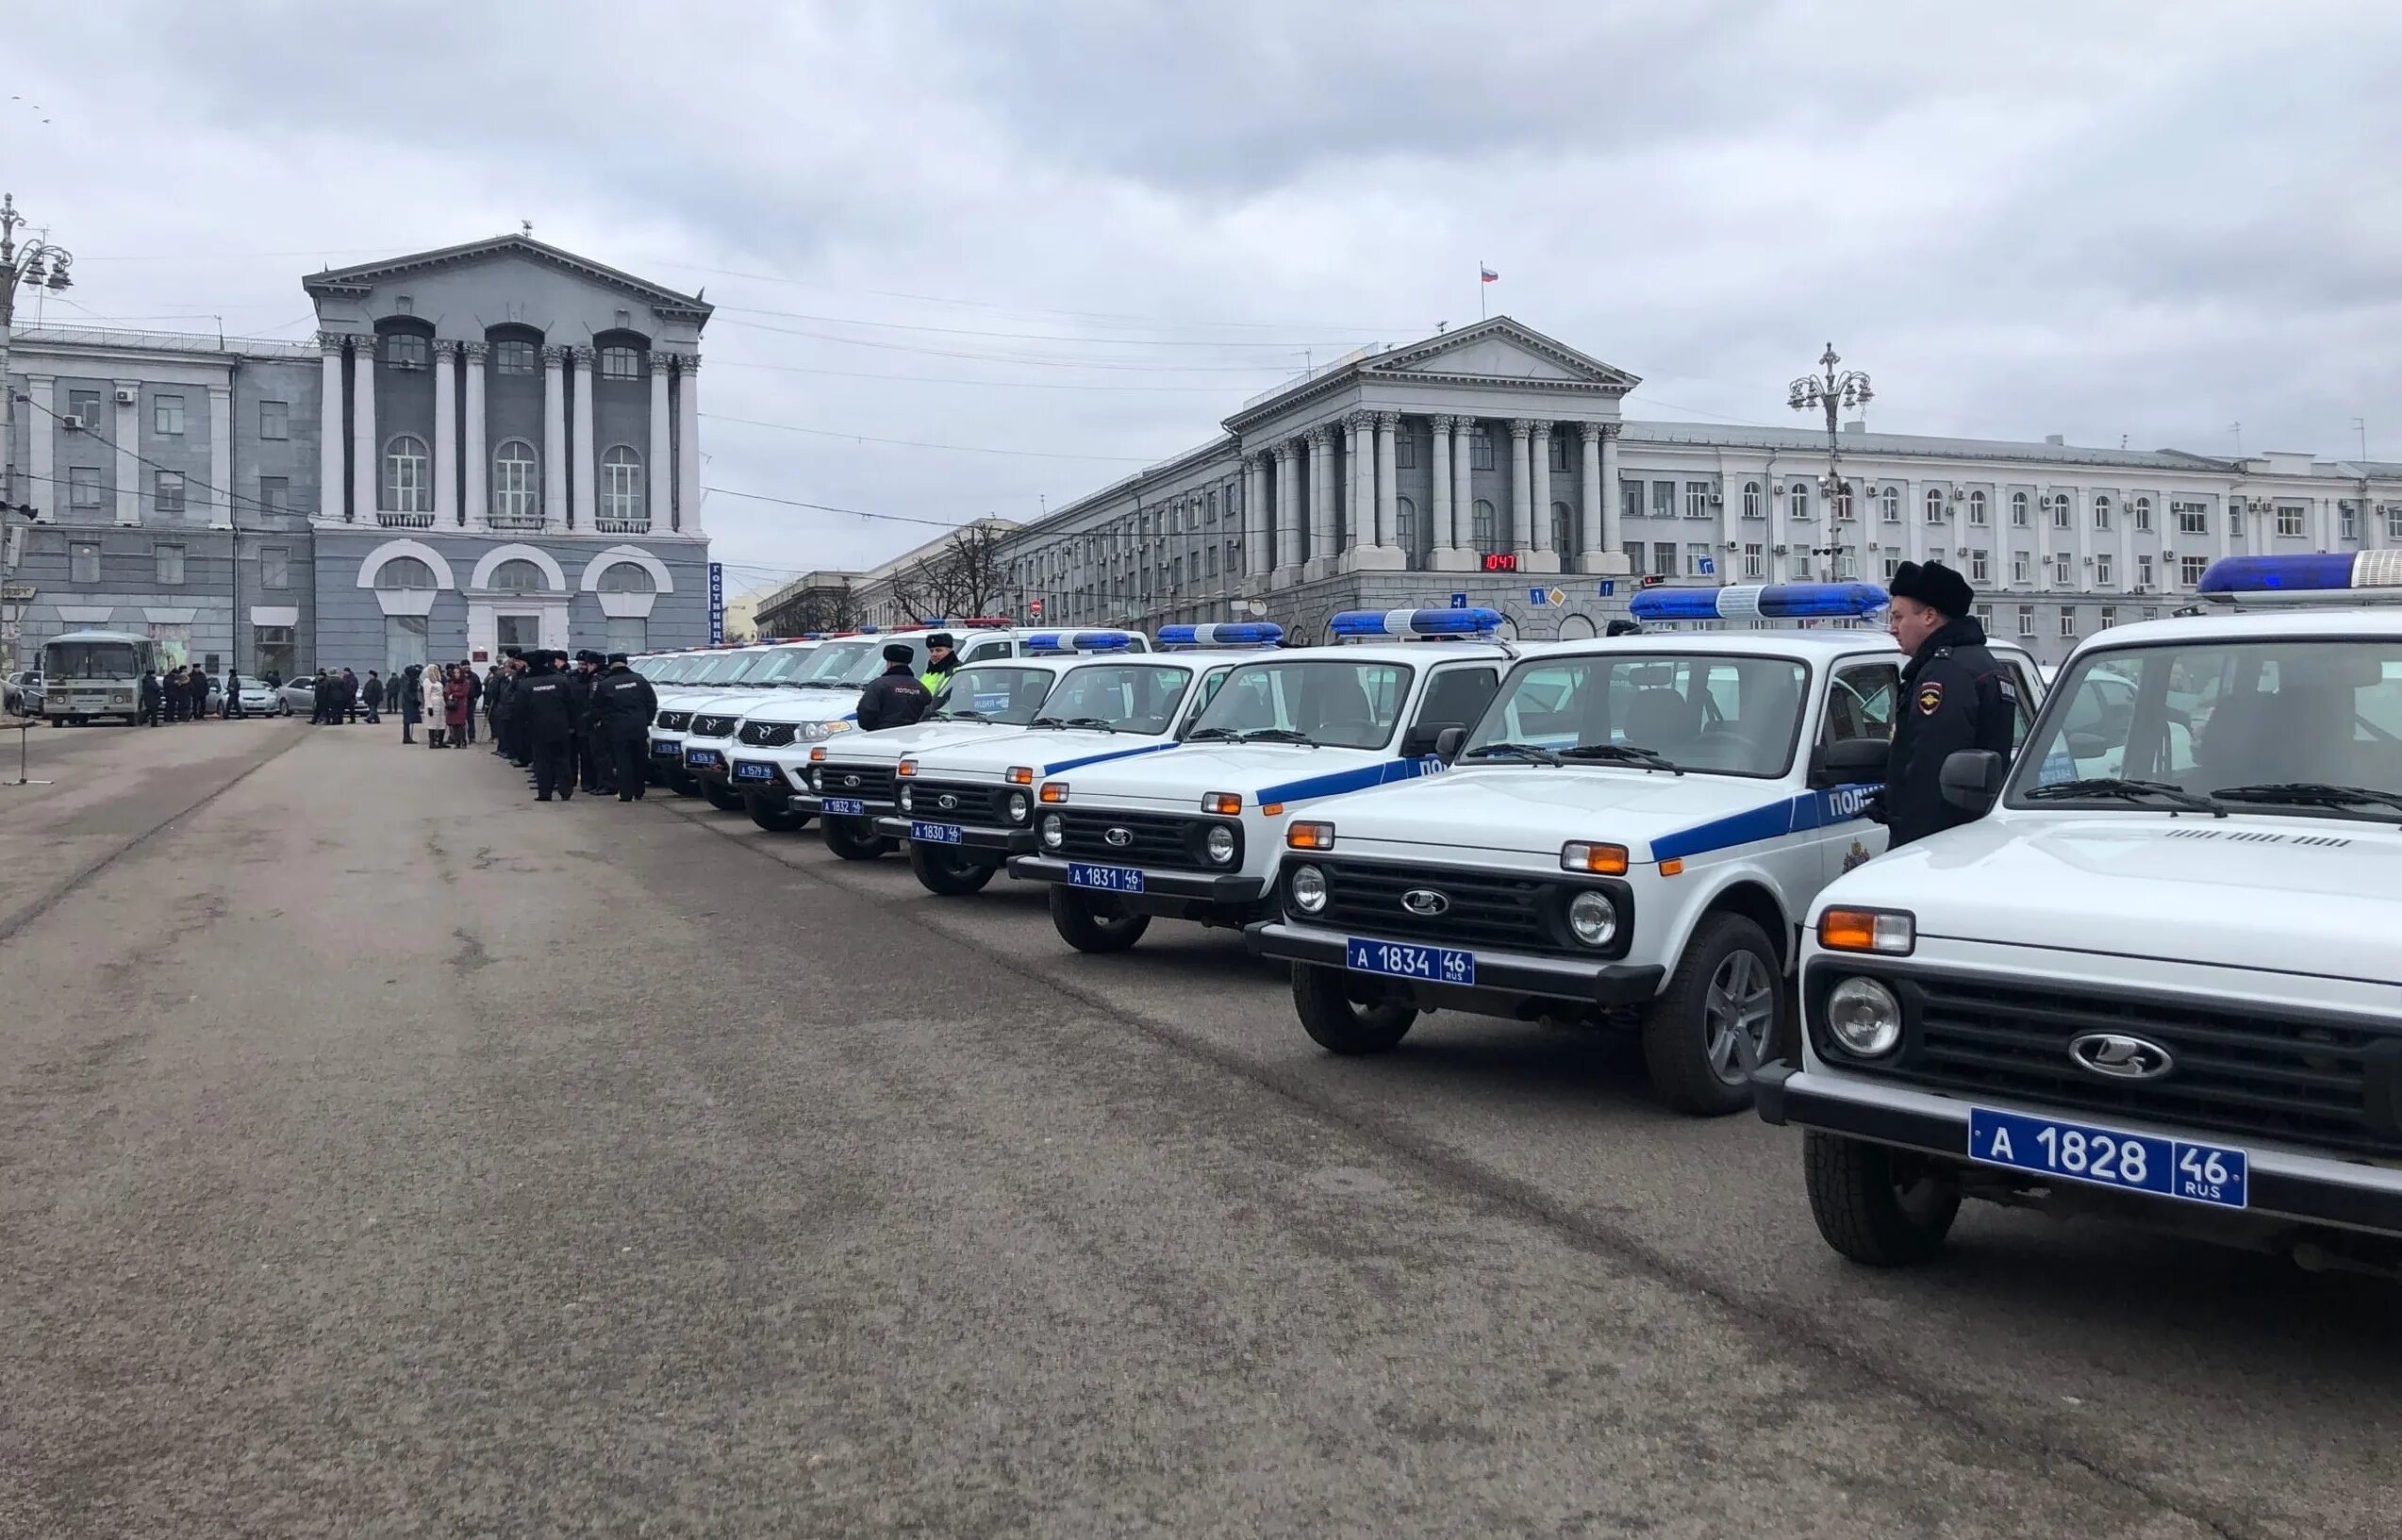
(1492, 463)
(492, 444)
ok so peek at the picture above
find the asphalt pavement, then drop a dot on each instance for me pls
(386, 1153)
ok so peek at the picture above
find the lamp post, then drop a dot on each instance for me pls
(1831, 393)
(43, 266)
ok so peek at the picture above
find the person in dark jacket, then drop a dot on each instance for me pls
(895, 698)
(197, 688)
(546, 704)
(152, 694)
(622, 706)
(350, 696)
(474, 694)
(370, 696)
(411, 708)
(587, 758)
(232, 706)
(1954, 695)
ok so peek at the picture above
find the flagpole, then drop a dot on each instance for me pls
(1479, 288)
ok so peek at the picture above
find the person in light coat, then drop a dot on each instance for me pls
(436, 704)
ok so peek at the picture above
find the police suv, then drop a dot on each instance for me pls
(1630, 836)
(1193, 832)
(710, 723)
(2159, 981)
(966, 807)
(709, 677)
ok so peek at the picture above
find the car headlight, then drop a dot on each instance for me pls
(1594, 918)
(907, 802)
(1054, 831)
(1308, 889)
(1221, 844)
(815, 730)
(1020, 808)
(1865, 1016)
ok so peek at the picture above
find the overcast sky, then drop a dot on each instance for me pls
(1083, 231)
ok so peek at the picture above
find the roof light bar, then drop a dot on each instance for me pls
(1224, 633)
(1761, 601)
(1079, 641)
(1416, 623)
(2343, 577)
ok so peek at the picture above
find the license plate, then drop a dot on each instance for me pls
(744, 770)
(1400, 960)
(842, 807)
(1107, 878)
(2109, 1157)
(703, 758)
(933, 833)
(666, 746)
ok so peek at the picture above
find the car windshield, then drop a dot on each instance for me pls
(2300, 726)
(90, 660)
(713, 669)
(784, 664)
(852, 662)
(746, 671)
(1323, 701)
(1011, 693)
(1122, 697)
(1716, 713)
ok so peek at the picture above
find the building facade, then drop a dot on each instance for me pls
(1491, 465)
(494, 444)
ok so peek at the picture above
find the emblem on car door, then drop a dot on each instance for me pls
(1425, 902)
(1119, 837)
(2116, 1057)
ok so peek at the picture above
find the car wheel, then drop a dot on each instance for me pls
(1340, 1024)
(773, 813)
(680, 781)
(1095, 922)
(940, 870)
(725, 799)
(855, 839)
(1879, 1206)
(1719, 1017)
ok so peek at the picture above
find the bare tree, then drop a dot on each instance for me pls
(826, 610)
(966, 577)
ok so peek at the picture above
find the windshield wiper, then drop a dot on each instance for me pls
(1627, 753)
(1095, 724)
(965, 716)
(1213, 734)
(2112, 785)
(2309, 794)
(1275, 735)
(1526, 752)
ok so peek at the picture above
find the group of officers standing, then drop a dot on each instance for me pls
(581, 721)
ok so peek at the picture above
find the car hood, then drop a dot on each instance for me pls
(888, 746)
(1259, 774)
(1048, 750)
(1536, 809)
(800, 705)
(2315, 896)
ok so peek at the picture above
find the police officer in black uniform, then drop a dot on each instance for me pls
(1954, 695)
(894, 698)
(622, 706)
(544, 705)
(501, 687)
(579, 685)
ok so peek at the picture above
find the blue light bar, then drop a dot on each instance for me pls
(1761, 601)
(1416, 623)
(1224, 633)
(2341, 577)
(1079, 641)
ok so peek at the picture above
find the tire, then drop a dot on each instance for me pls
(952, 876)
(1879, 1207)
(1339, 1024)
(725, 799)
(855, 839)
(773, 816)
(1707, 1030)
(680, 781)
(1093, 921)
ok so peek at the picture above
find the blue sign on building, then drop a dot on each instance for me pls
(1537, 596)
(1609, 586)
(716, 603)
(1707, 565)
(1459, 601)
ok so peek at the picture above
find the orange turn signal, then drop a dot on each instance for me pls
(1604, 860)
(1022, 775)
(1224, 803)
(1310, 836)
(1867, 930)
(908, 766)
(1054, 791)
(817, 756)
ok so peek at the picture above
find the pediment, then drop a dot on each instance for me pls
(1498, 349)
(362, 278)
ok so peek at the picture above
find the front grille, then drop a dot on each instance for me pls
(714, 726)
(873, 782)
(672, 722)
(1482, 909)
(769, 734)
(985, 806)
(2320, 1081)
(1152, 839)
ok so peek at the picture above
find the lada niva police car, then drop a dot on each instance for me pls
(966, 807)
(1630, 836)
(848, 780)
(2159, 981)
(1193, 832)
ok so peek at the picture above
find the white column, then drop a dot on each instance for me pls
(1521, 478)
(331, 485)
(1444, 555)
(582, 453)
(1288, 514)
(128, 447)
(221, 456)
(661, 496)
(688, 443)
(1613, 527)
(477, 457)
(1588, 522)
(1540, 556)
(2080, 521)
(445, 433)
(1358, 483)
(363, 456)
(42, 429)
(1324, 517)
(1257, 558)
(1388, 489)
(554, 438)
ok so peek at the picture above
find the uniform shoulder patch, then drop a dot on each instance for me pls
(1930, 697)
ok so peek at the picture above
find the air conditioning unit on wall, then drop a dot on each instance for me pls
(124, 398)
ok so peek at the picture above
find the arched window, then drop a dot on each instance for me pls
(1889, 504)
(1481, 527)
(1934, 505)
(624, 577)
(516, 483)
(2101, 511)
(1563, 530)
(404, 573)
(621, 485)
(408, 481)
(1976, 508)
(2140, 510)
(1842, 504)
(1751, 500)
(518, 575)
(1800, 494)
(2018, 509)
(1405, 528)
(2061, 509)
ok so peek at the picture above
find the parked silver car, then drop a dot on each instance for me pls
(300, 695)
(23, 692)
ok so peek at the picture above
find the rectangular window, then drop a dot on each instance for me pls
(405, 641)
(1213, 561)
(275, 420)
(1404, 457)
(1893, 565)
(513, 356)
(2101, 570)
(2347, 526)
(275, 566)
(2068, 623)
(621, 363)
(1663, 557)
(627, 634)
(1697, 499)
(167, 414)
(2393, 522)
(85, 405)
(2020, 567)
(274, 494)
(2026, 620)
(1481, 449)
(167, 494)
(1803, 570)
(1559, 452)
(1977, 566)
(403, 350)
(2142, 574)
(1634, 557)
(1751, 561)
(2063, 569)
(83, 561)
(2110, 616)
(1986, 617)
(1698, 562)
(1663, 500)
(2191, 569)
(83, 486)
(2289, 518)
(171, 564)
(2192, 517)
(1630, 503)
(272, 648)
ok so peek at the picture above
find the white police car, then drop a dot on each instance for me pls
(709, 677)
(1193, 832)
(2167, 992)
(966, 807)
(1630, 836)
(711, 720)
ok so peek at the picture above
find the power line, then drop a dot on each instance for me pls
(1000, 385)
(1023, 336)
(1114, 365)
(918, 444)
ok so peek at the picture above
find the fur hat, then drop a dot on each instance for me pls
(897, 651)
(1935, 586)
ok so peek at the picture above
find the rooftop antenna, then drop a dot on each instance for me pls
(2236, 429)
(526, 226)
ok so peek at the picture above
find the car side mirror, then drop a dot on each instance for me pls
(1853, 759)
(1448, 744)
(1972, 780)
(1427, 739)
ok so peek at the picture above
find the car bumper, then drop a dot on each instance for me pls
(983, 842)
(2305, 1188)
(714, 767)
(1505, 979)
(666, 750)
(1227, 898)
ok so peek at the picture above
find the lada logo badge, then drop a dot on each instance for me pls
(946, 801)
(1119, 837)
(2116, 1057)
(1424, 901)
(851, 780)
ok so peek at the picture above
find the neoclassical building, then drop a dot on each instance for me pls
(487, 445)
